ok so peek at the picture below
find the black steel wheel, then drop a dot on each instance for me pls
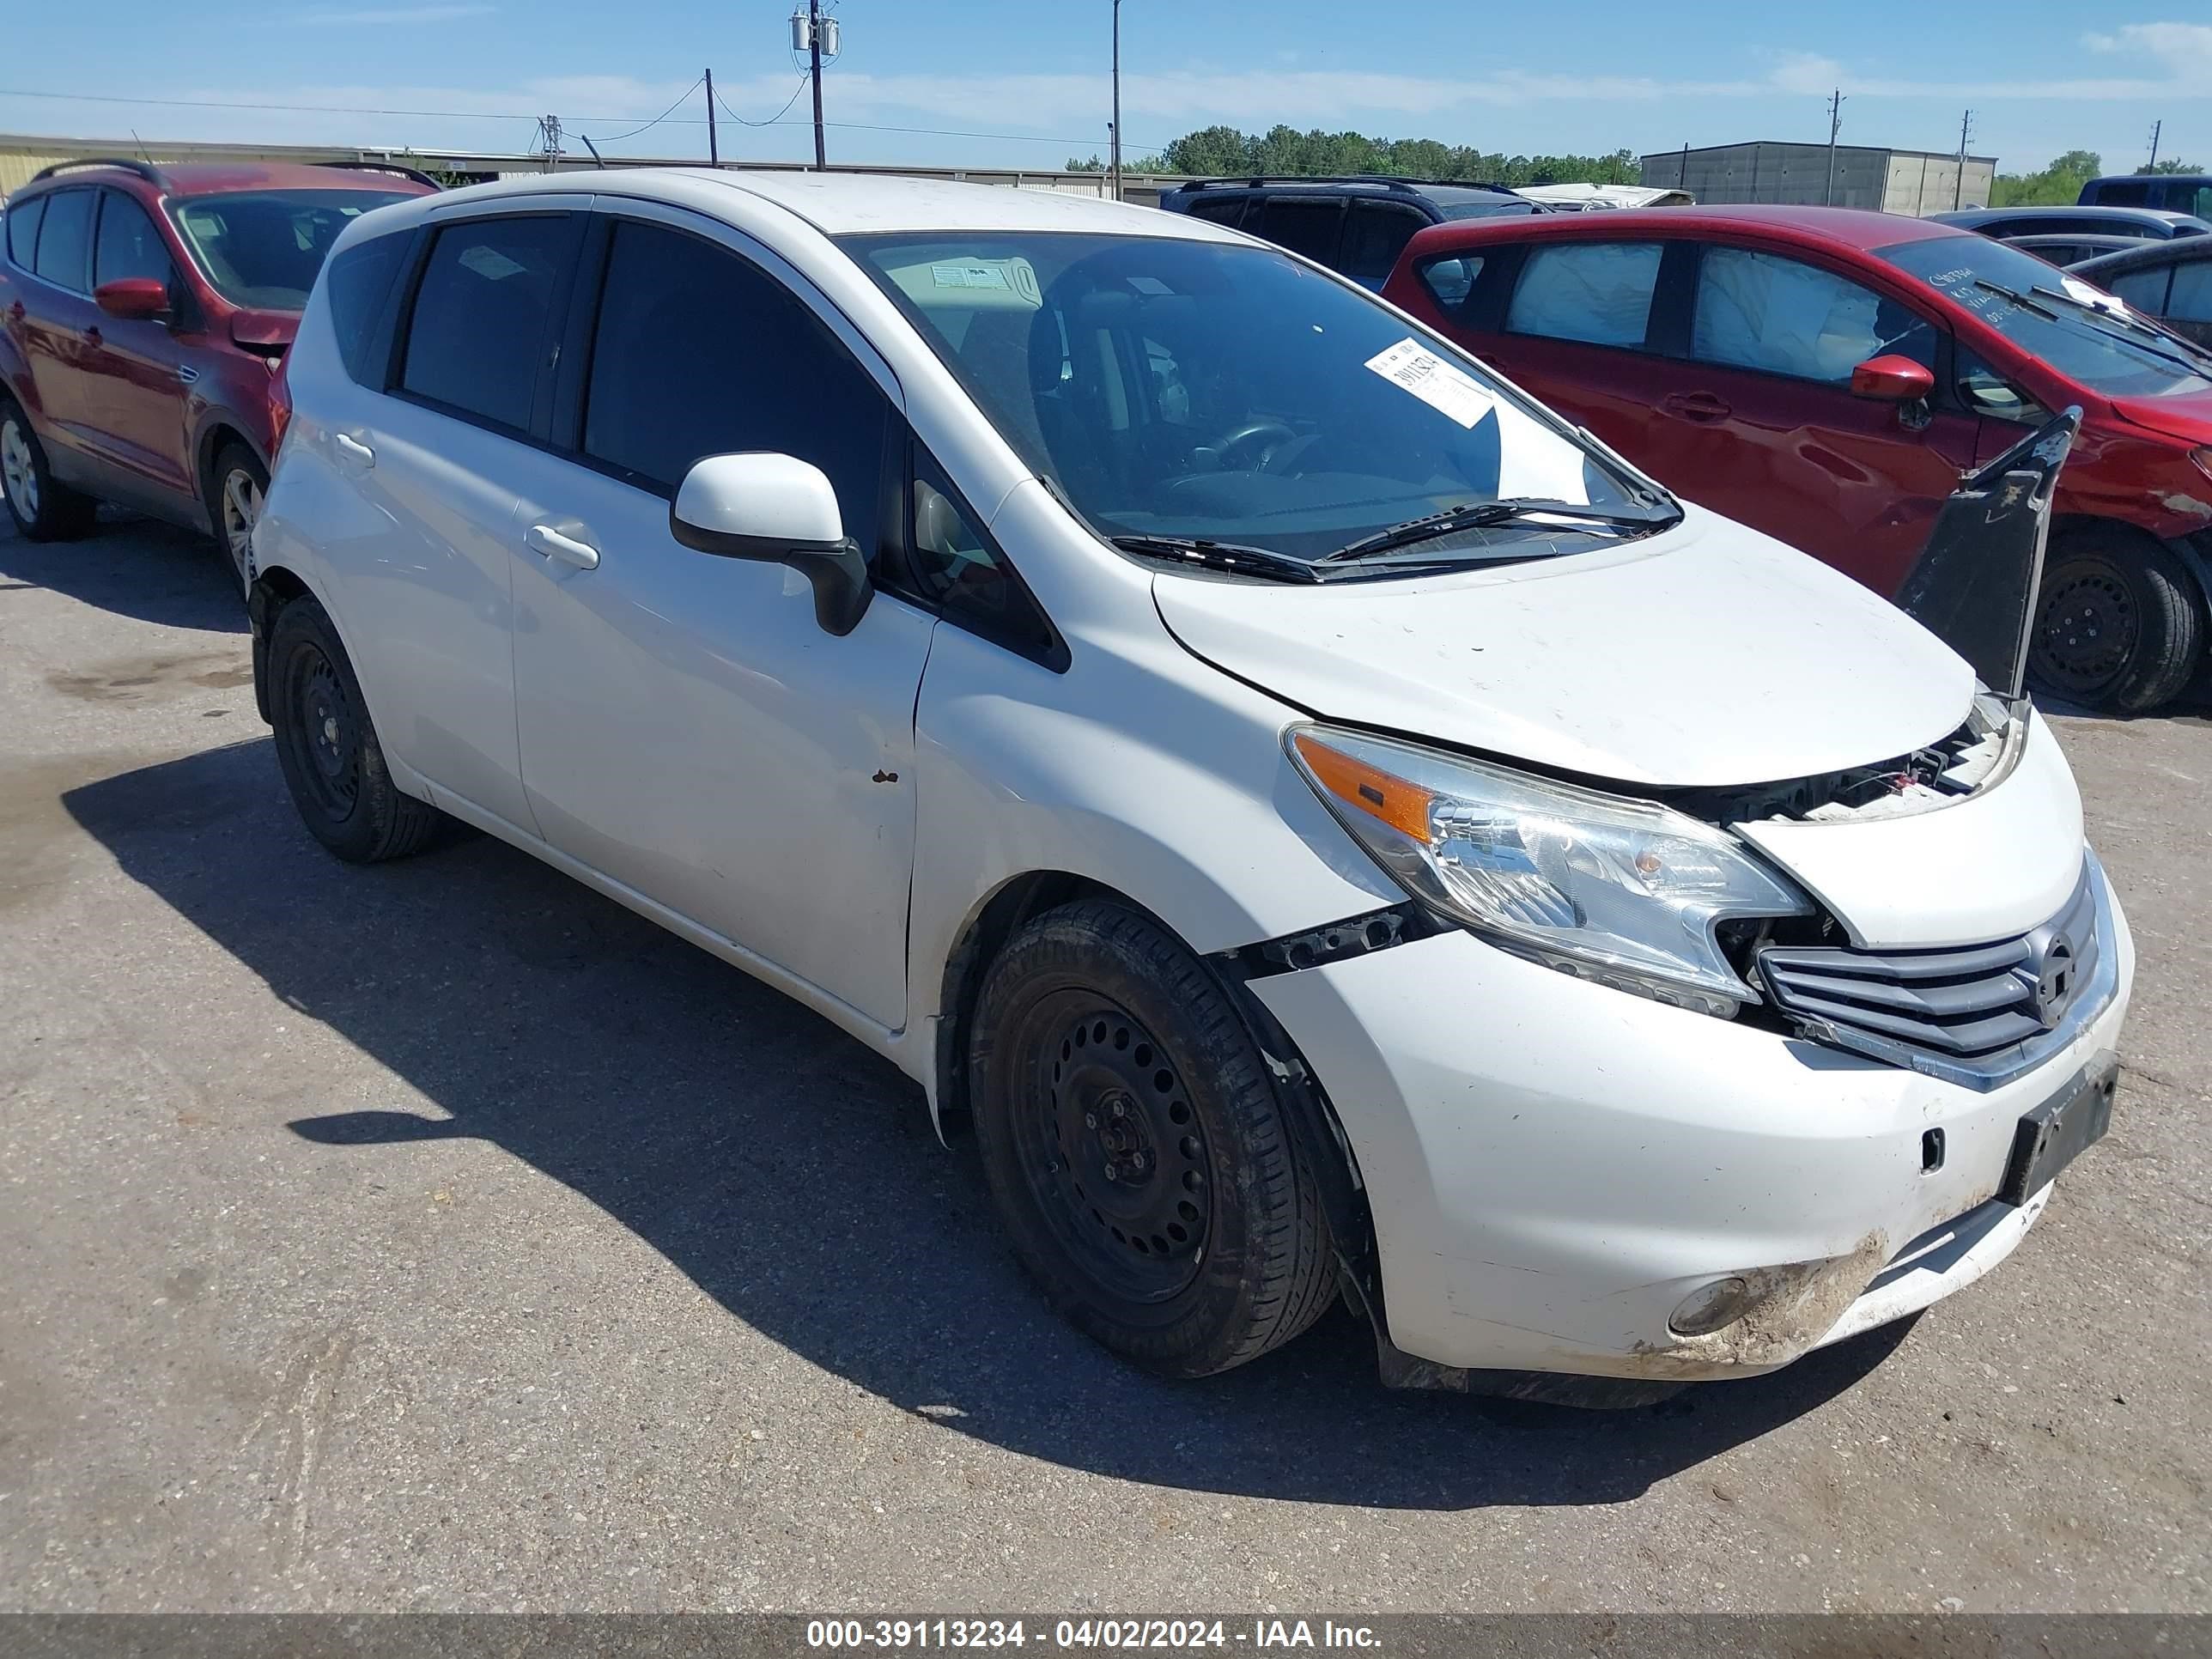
(1152, 1179)
(327, 748)
(2117, 626)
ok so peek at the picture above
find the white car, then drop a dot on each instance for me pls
(1329, 825)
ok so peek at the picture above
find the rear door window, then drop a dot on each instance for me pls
(479, 334)
(1302, 224)
(1599, 293)
(1221, 209)
(65, 239)
(1781, 316)
(1375, 234)
(699, 352)
(23, 230)
(129, 244)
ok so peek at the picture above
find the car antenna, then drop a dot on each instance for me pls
(594, 148)
(141, 142)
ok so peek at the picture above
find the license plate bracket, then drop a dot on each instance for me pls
(2051, 1136)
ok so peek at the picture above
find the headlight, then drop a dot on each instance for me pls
(1624, 892)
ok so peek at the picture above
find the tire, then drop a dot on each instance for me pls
(1150, 1178)
(2118, 626)
(328, 749)
(43, 509)
(236, 486)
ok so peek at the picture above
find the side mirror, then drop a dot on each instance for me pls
(1892, 379)
(133, 299)
(777, 509)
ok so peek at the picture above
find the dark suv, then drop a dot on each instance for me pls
(143, 312)
(1357, 225)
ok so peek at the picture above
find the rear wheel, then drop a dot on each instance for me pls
(2118, 625)
(43, 509)
(1150, 1176)
(240, 481)
(328, 749)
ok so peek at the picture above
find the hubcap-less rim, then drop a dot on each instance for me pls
(2086, 631)
(241, 510)
(323, 735)
(1113, 1152)
(19, 476)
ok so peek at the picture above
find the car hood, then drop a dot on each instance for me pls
(1708, 656)
(2187, 416)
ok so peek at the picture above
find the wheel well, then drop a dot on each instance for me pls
(271, 591)
(211, 445)
(2066, 526)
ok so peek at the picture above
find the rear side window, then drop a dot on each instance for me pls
(1375, 234)
(1300, 224)
(23, 230)
(2192, 298)
(1222, 209)
(477, 338)
(2143, 290)
(355, 286)
(65, 240)
(699, 352)
(2124, 192)
(129, 244)
(1596, 292)
(1784, 317)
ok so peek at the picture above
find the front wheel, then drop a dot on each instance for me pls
(1137, 1149)
(2117, 626)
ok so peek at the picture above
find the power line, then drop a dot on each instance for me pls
(663, 116)
(773, 119)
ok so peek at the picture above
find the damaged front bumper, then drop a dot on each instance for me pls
(1553, 1167)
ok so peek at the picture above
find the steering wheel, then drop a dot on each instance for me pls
(1274, 434)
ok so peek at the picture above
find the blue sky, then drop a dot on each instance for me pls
(1591, 76)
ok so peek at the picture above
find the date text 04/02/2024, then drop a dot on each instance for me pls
(1257, 1636)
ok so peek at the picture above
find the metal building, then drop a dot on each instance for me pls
(1912, 181)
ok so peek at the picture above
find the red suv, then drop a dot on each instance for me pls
(1825, 375)
(143, 311)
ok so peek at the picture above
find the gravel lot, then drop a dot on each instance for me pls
(441, 1236)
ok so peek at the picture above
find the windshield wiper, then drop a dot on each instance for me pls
(2144, 337)
(1476, 514)
(1234, 556)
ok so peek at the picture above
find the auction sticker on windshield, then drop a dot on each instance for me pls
(1442, 385)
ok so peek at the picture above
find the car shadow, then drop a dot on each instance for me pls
(793, 1176)
(135, 567)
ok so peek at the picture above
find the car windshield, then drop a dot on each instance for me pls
(264, 247)
(2110, 356)
(1174, 388)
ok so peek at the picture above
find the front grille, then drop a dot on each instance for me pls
(1972, 1004)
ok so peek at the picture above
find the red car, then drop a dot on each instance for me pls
(1825, 375)
(143, 311)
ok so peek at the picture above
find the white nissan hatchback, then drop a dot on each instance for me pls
(1330, 826)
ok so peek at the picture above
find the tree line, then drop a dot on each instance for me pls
(1285, 151)
(2060, 184)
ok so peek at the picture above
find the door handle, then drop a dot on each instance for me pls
(1696, 406)
(352, 449)
(563, 549)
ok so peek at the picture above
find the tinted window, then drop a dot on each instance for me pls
(2143, 290)
(264, 247)
(1300, 224)
(2190, 302)
(1600, 292)
(1375, 234)
(1223, 210)
(23, 230)
(964, 573)
(359, 279)
(2197, 201)
(699, 352)
(1760, 311)
(1450, 281)
(478, 335)
(129, 244)
(66, 238)
(2124, 192)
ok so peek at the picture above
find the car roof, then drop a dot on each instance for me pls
(1378, 184)
(839, 204)
(224, 178)
(2087, 217)
(2178, 250)
(1817, 227)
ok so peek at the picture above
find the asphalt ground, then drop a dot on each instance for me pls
(441, 1235)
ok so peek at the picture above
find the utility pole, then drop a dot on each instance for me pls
(549, 138)
(713, 146)
(814, 58)
(1115, 129)
(1959, 191)
(2155, 128)
(1835, 125)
